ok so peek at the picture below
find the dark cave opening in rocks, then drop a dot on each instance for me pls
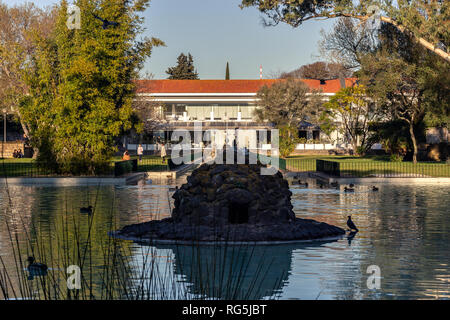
(237, 213)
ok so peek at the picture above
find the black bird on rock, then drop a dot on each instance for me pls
(351, 225)
(106, 23)
(374, 188)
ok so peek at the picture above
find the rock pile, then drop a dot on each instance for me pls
(223, 202)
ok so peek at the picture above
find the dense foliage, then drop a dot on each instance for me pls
(400, 77)
(80, 82)
(286, 102)
(356, 112)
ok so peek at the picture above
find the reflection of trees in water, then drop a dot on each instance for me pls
(404, 230)
(15, 219)
(245, 271)
(52, 229)
(15, 205)
(143, 202)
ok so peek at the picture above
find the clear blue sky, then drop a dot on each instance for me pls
(217, 31)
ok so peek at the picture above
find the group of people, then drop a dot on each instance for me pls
(140, 152)
(17, 153)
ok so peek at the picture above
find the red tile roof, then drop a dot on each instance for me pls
(227, 86)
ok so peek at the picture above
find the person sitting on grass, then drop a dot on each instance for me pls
(15, 153)
(19, 153)
(126, 156)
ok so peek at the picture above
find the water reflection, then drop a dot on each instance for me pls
(403, 228)
(350, 237)
(249, 272)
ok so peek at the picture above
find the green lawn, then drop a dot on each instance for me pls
(19, 168)
(26, 167)
(12, 160)
(119, 158)
(148, 163)
(371, 166)
(349, 166)
(342, 158)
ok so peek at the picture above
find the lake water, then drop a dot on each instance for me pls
(404, 231)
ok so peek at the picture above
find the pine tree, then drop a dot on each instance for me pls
(227, 72)
(184, 70)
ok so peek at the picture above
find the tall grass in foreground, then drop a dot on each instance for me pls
(117, 269)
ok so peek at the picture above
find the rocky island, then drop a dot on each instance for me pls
(231, 203)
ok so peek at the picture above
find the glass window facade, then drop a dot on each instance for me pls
(202, 111)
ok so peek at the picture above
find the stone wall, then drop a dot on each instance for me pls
(7, 149)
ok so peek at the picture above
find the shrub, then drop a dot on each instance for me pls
(288, 140)
(396, 158)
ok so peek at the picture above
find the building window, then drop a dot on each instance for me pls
(222, 111)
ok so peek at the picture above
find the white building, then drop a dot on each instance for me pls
(221, 106)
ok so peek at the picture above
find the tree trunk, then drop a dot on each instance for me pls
(27, 133)
(355, 146)
(413, 139)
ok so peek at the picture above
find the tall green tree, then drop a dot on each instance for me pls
(81, 81)
(184, 70)
(18, 24)
(399, 78)
(285, 103)
(351, 107)
(227, 72)
(426, 22)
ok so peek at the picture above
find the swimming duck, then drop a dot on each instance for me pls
(374, 188)
(87, 210)
(351, 225)
(303, 184)
(334, 184)
(349, 189)
(36, 268)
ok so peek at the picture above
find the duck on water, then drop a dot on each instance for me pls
(87, 210)
(36, 268)
(349, 189)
